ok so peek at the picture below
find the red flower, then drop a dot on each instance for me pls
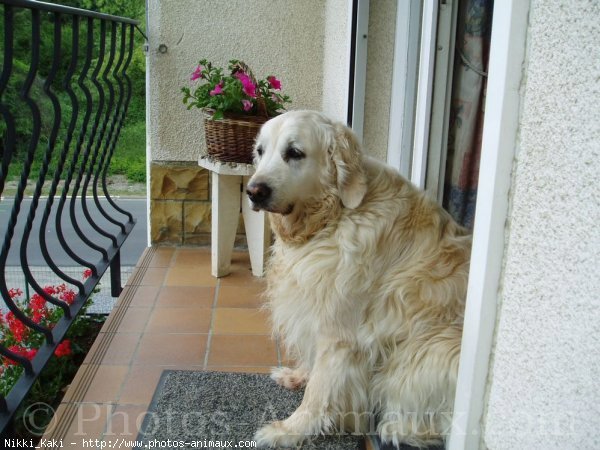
(50, 290)
(87, 273)
(38, 307)
(29, 354)
(63, 349)
(67, 296)
(37, 302)
(17, 328)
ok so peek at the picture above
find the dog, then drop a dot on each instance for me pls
(366, 287)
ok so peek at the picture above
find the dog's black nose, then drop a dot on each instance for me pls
(259, 193)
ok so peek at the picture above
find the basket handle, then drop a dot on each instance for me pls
(241, 66)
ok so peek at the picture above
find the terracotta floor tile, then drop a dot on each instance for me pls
(179, 320)
(240, 321)
(79, 384)
(192, 257)
(185, 297)
(144, 296)
(239, 277)
(162, 257)
(153, 276)
(242, 350)
(247, 369)
(106, 384)
(140, 385)
(125, 423)
(88, 422)
(143, 257)
(134, 320)
(118, 349)
(240, 258)
(171, 349)
(185, 276)
(250, 296)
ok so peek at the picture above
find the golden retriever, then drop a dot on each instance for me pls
(366, 287)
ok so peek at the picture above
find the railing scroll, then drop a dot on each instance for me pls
(60, 120)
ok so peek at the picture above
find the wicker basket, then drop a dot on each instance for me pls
(231, 139)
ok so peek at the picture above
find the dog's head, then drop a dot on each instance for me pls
(300, 156)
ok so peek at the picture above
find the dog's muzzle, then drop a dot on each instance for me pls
(259, 194)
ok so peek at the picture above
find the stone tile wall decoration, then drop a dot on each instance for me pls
(180, 207)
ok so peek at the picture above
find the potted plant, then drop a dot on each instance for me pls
(234, 107)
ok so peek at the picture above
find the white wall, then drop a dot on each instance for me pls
(543, 387)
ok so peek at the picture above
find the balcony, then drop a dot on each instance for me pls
(172, 314)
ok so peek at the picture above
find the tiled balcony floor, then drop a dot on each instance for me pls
(171, 315)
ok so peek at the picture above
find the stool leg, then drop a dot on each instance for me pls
(225, 218)
(258, 234)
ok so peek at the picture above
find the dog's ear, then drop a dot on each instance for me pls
(347, 157)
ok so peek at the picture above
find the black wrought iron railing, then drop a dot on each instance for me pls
(64, 93)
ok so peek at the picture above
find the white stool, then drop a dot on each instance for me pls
(228, 191)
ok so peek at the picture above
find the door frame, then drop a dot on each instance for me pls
(500, 137)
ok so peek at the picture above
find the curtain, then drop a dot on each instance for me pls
(467, 109)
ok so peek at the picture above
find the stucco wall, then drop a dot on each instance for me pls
(336, 61)
(380, 59)
(543, 383)
(304, 42)
(274, 37)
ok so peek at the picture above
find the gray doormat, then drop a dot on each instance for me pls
(192, 407)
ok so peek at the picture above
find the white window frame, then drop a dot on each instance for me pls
(409, 154)
(360, 63)
(404, 85)
(424, 93)
(500, 127)
(421, 89)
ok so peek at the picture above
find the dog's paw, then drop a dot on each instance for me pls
(275, 435)
(289, 378)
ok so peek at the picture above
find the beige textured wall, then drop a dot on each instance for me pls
(380, 58)
(304, 42)
(336, 60)
(279, 37)
(543, 381)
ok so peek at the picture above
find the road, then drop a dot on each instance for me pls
(130, 251)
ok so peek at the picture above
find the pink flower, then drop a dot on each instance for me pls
(274, 82)
(87, 273)
(243, 77)
(248, 86)
(247, 105)
(13, 293)
(197, 73)
(217, 90)
(275, 98)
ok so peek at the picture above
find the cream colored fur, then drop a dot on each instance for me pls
(366, 288)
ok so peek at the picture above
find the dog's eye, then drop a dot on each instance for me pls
(259, 151)
(293, 153)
